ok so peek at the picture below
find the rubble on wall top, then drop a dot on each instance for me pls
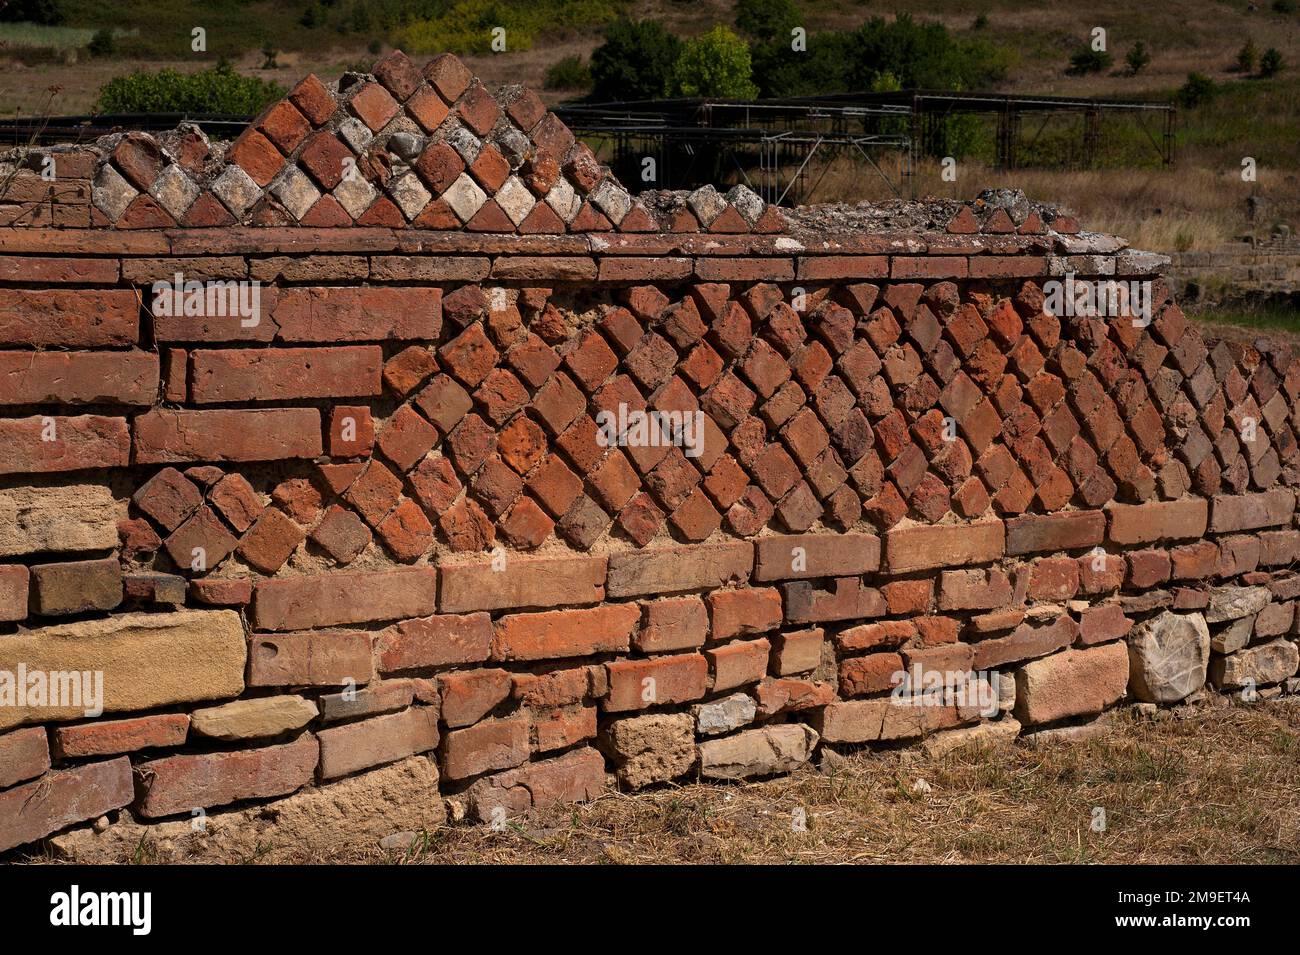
(433, 148)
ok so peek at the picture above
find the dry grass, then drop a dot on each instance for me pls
(1202, 785)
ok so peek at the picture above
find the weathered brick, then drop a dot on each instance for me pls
(1249, 511)
(278, 374)
(921, 548)
(737, 663)
(522, 582)
(62, 798)
(295, 603)
(356, 746)
(802, 556)
(484, 747)
(1026, 641)
(78, 378)
(166, 436)
(1157, 520)
(81, 318)
(14, 590)
(312, 658)
(76, 586)
(24, 754)
(435, 641)
(1067, 530)
(565, 633)
(674, 623)
(1071, 683)
(48, 444)
(638, 684)
(670, 569)
(111, 737)
(180, 784)
(739, 612)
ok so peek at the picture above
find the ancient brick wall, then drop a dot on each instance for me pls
(376, 516)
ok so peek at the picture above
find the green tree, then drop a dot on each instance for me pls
(101, 44)
(1271, 63)
(48, 12)
(716, 63)
(1137, 58)
(1247, 58)
(1197, 91)
(634, 62)
(567, 73)
(1087, 60)
(767, 20)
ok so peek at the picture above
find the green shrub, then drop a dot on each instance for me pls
(101, 44)
(767, 20)
(715, 63)
(568, 73)
(1247, 58)
(635, 61)
(217, 90)
(1087, 60)
(1271, 64)
(1137, 58)
(1197, 91)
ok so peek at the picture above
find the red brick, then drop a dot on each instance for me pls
(245, 374)
(909, 597)
(382, 739)
(121, 378)
(674, 623)
(638, 684)
(669, 569)
(257, 156)
(1025, 642)
(466, 526)
(315, 658)
(201, 543)
(333, 599)
(24, 754)
(565, 633)
(522, 582)
(1064, 531)
(1250, 511)
(179, 784)
(284, 125)
(435, 641)
(165, 436)
(874, 673)
(59, 799)
(738, 663)
(313, 99)
(1054, 578)
(271, 541)
(739, 612)
(921, 548)
(487, 746)
(469, 696)
(111, 737)
(169, 498)
(237, 502)
(1145, 523)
